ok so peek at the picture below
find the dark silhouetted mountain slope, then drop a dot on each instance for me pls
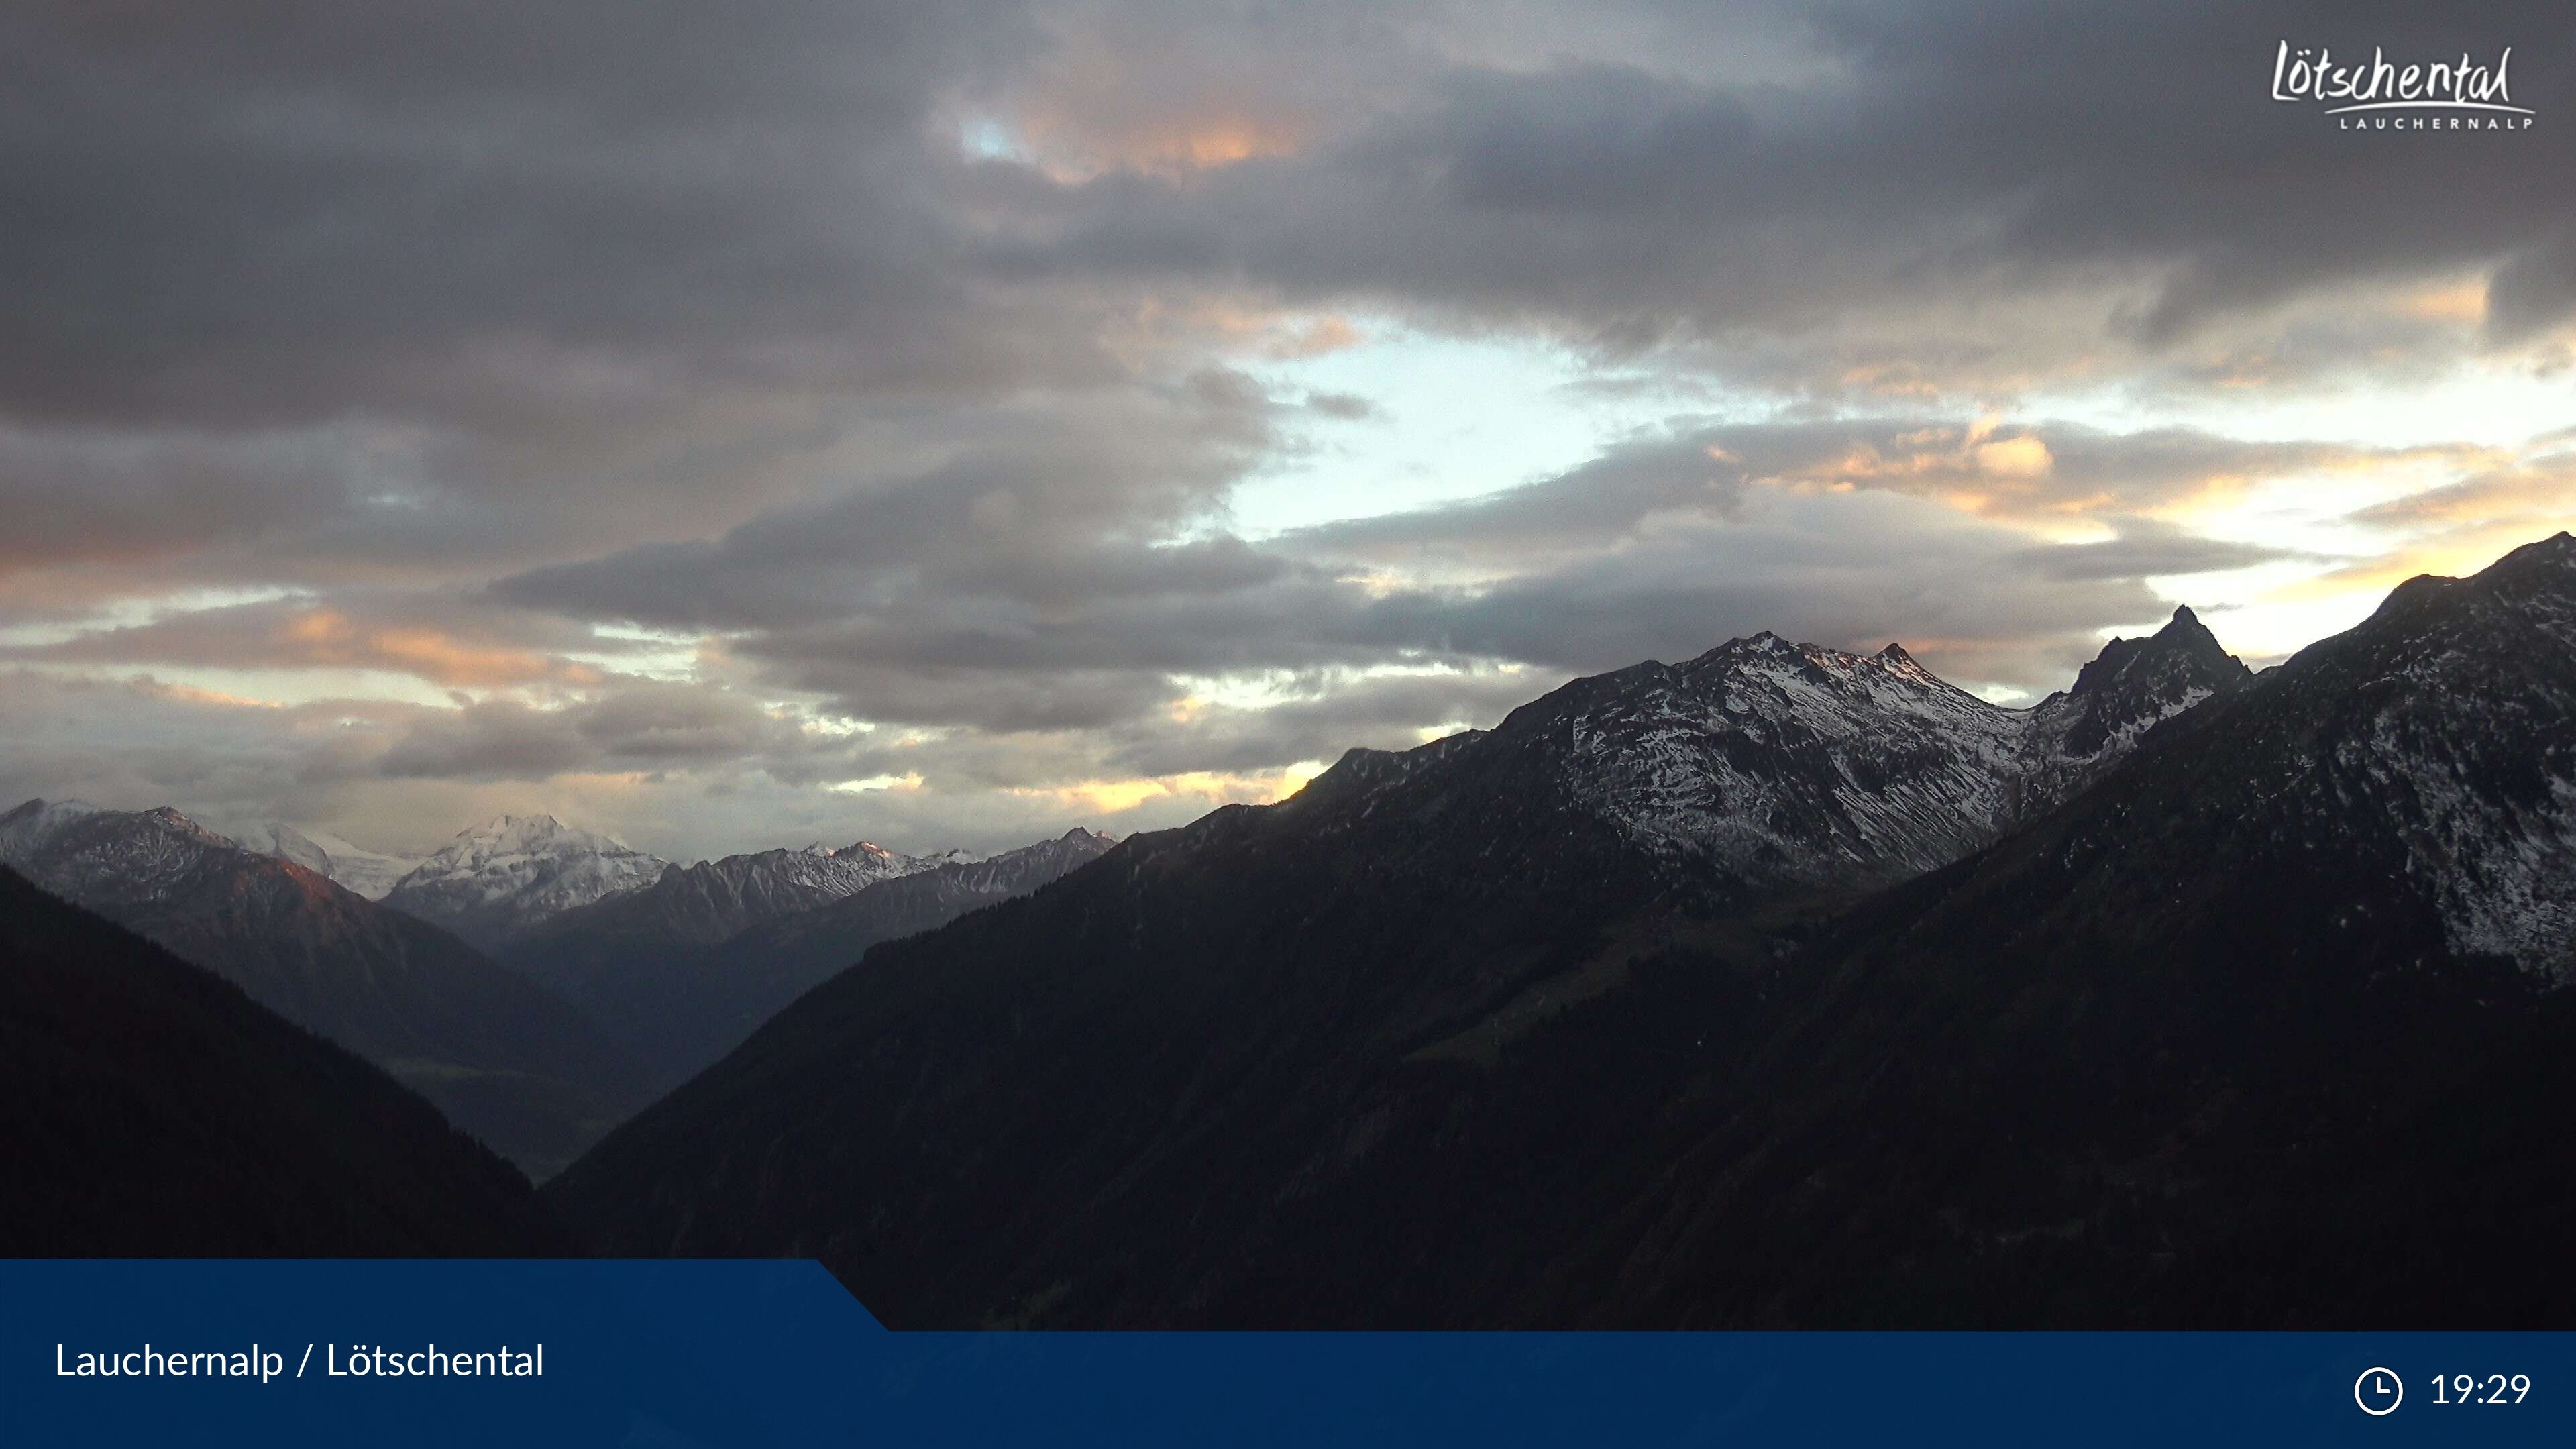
(2271, 1027)
(645, 967)
(711, 901)
(148, 1109)
(505, 1060)
(1242, 1072)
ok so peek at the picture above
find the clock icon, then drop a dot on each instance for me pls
(2378, 1392)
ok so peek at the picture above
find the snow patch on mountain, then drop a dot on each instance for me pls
(26, 829)
(2485, 797)
(1794, 760)
(950, 883)
(2506, 878)
(369, 873)
(707, 902)
(1786, 764)
(499, 879)
(107, 859)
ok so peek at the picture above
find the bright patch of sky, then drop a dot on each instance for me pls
(2497, 404)
(284, 688)
(1451, 418)
(132, 612)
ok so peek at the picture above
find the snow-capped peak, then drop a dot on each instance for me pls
(27, 827)
(1771, 764)
(509, 874)
(533, 832)
(109, 858)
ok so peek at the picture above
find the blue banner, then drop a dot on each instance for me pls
(776, 1353)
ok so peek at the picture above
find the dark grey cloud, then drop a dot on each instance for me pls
(1698, 471)
(635, 727)
(150, 499)
(902, 609)
(485, 214)
(274, 211)
(2535, 289)
(480, 286)
(1054, 509)
(440, 638)
(2128, 157)
(911, 355)
(318, 295)
(497, 740)
(136, 742)
(2147, 549)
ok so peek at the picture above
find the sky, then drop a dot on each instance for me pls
(732, 426)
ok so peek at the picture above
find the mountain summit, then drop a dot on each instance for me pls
(494, 882)
(1237, 1042)
(2132, 686)
(687, 968)
(1764, 766)
(1595, 1020)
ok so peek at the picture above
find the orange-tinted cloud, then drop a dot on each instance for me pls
(294, 635)
(327, 638)
(1074, 149)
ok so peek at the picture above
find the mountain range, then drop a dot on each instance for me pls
(1785, 986)
(620, 980)
(148, 1109)
(369, 873)
(706, 903)
(516, 872)
(501, 1057)
(684, 969)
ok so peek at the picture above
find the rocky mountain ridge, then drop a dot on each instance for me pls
(645, 966)
(503, 1058)
(512, 873)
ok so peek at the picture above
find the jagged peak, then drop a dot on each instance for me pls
(2186, 626)
(1894, 653)
(2183, 635)
(59, 813)
(517, 825)
(534, 830)
(1761, 641)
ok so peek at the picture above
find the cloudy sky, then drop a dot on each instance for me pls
(734, 424)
